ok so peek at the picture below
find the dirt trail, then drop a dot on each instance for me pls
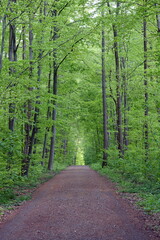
(77, 204)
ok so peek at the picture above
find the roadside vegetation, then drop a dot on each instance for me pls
(22, 188)
(147, 191)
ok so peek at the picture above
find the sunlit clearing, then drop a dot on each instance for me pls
(80, 157)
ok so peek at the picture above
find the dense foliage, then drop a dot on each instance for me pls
(51, 92)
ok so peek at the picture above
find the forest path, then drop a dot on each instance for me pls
(76, 204)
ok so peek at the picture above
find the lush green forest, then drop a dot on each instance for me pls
(80, 85)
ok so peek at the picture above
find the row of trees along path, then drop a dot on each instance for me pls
(77, 204)
(79, 73)
(79, 78)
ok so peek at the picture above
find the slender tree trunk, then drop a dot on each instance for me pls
(23, 57)
(104, 100)
(36, 112)
(12, 58)
(118, 90)
(32, 130)
(158, 22)
(28, 126)
(48, 112)
(3, 37)
(158, 42)
(113, 113)
(55, 87)
(46, 134)
(123, 67)
(2, 41)
(24, 43)
(54, 112)
(49, 91)
(146, 110)
(65, 142)
(118, 107)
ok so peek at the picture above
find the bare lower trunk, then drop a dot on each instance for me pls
(48, 114)
(52, 145)
(44, 146)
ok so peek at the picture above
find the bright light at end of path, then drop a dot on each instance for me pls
(80, 157)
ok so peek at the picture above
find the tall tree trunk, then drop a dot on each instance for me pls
(104, 100)
(28, 125)
(118, 80)
(2, 41)
(3, 36)
(31, 128)
(49, 91)
(123, 68)
(12, 58)
(54, 103)
(118, 90)
(146, 110)
(54, 112)
(48, 116)
(64, 146)
(158, 42)
(36, 111)
(24, 43)
(44, 155)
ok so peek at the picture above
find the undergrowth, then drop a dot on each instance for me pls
(147, 190)
(23, 187)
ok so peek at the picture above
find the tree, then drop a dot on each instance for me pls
(145, 82)
(118, 79)
(105, 117)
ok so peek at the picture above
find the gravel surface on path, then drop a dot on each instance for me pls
(76, 204)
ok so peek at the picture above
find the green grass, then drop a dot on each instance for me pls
(148, 191)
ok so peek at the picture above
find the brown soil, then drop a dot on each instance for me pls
(77, 204)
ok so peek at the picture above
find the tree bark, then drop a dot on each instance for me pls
(118, 90)
(28, 126)
(54, 91)
(48, 115)
(3, 37)
(36, 111)
(31, 128)
(54, 112)
(125, 99)
(146, 110)
(104, 99)
(24, 43)
(12, 54)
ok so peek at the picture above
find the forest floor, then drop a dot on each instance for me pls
(77, 204)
